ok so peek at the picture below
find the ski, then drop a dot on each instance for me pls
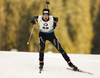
(40, 69)
(81, 71)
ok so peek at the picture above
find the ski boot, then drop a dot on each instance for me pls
(41, 66)
(74, 68)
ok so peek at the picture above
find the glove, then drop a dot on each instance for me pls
(33, 22)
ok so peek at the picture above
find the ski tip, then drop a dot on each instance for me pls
(81, 71)
(40, 72)
(68, 68)
(91, 73)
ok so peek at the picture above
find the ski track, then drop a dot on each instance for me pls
(25, 65)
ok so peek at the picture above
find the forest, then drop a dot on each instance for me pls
(78, 28)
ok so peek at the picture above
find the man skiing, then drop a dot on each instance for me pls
(47, 24)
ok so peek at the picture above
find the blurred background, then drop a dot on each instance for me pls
(78, 28)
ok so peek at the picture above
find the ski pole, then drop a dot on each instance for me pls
(30, 36)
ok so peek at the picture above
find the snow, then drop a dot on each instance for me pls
(25, 65)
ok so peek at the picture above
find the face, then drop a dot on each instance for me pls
(45, 17)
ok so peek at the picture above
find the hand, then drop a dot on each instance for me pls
(33, 22)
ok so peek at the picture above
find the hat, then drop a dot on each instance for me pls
(46, 11)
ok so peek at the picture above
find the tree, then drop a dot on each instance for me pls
(95, 16)
(79, 25)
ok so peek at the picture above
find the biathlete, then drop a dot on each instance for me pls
(47, 24)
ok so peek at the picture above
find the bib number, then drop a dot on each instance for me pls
(45, 26)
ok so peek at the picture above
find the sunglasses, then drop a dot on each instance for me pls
(45, 15)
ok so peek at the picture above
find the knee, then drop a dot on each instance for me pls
(42, 47)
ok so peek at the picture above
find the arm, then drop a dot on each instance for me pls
(33, 20)
(55, 21)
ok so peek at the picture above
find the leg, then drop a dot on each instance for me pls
(42, 47)
(56, 43)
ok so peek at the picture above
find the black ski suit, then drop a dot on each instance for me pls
(52, 38)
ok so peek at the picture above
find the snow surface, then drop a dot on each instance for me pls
(25, 65)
